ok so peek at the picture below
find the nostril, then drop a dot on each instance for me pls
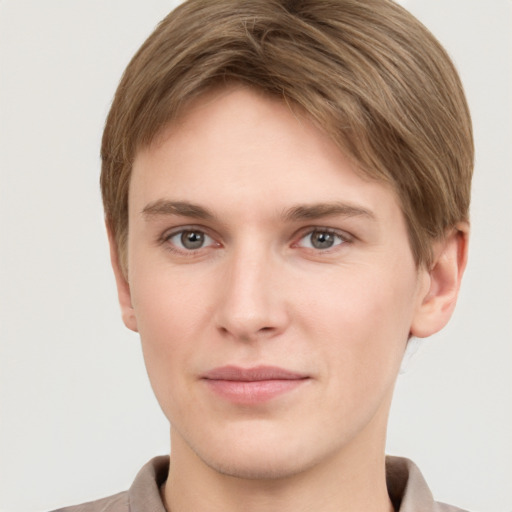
(247, 335)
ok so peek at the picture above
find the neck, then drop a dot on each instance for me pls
(350, 481)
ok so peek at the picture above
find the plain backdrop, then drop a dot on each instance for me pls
(78, 418)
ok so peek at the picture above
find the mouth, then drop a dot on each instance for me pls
(252, 385)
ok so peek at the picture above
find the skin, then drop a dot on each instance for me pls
(255, 186)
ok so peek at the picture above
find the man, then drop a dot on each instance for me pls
(286, 189)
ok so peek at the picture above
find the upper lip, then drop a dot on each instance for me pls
(254, 374)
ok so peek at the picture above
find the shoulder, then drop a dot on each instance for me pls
(143, 495)
(408, 489)
(443, 507)
(116, 503)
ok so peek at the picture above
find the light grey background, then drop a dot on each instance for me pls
(77, 416)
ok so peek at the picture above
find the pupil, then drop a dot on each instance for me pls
(192, 239)
(322, 240)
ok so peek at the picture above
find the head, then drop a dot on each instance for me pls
(368, 73)
(286, 184)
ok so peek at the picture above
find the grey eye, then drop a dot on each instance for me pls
(321, 239)
(192, 239)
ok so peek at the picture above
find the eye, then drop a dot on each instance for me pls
(321, 239)
(190, 239)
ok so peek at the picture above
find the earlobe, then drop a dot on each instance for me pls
(123, 286)
(444, 278)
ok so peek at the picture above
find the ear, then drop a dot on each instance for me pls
(442, 283)
(123, 286)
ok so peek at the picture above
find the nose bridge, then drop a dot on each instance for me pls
(250, 305)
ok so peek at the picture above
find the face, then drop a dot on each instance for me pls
(273, 287)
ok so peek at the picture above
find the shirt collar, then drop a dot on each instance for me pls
(406, 486)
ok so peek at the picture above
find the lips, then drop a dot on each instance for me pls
(252, 385)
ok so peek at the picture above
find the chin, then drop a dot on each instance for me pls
(257, 467)
(265, 459)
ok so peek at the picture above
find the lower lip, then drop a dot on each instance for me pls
(253, 392)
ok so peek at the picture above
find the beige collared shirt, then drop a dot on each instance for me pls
(406, 486)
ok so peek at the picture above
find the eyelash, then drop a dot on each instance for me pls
(166, 237)
(339, 235)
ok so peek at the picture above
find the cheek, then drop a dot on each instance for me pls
(361, 323)
(168, 305)
(169, 316)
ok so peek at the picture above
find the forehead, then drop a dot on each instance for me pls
(234, 147)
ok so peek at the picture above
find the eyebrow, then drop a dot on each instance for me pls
(318, 210)
(182, 208)
(295, 213)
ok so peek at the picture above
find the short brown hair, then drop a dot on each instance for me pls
(370, 74)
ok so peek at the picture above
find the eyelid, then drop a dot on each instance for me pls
(304, 232)
(166, 235)
(164, 238)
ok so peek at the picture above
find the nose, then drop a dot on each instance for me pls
(251, 303)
